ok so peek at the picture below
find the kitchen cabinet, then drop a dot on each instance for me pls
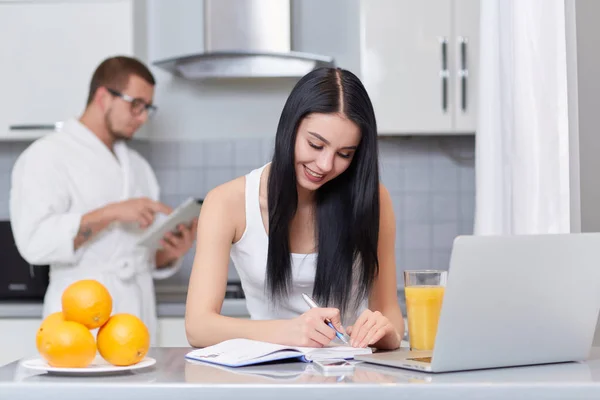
(171, 332)
(50, 50)
(175, 27)
(17, 338)
(419, 64)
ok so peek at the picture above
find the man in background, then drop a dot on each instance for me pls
(81, 198)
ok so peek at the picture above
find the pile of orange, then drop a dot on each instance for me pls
(65, 339)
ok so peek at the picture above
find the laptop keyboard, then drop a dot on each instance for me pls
(421, 359)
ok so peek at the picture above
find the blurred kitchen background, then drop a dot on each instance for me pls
(217, 117)
(418, 60)
(431, 181)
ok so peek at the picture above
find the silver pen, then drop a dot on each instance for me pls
(311, 303)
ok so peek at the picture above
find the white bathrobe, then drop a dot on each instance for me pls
(58, 179)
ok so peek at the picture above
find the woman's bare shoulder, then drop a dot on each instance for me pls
(386, 207)
(225, 207)
(229, 195)
(384, 194)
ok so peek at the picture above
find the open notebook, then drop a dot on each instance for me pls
(241, 352)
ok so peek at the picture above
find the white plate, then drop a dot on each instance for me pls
(98, 366)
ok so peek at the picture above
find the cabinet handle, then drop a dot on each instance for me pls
(444, 73)
(463, 72)
(26, 127)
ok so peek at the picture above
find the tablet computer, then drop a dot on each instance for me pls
(183, 214)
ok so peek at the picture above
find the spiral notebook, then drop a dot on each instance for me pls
(242, 352)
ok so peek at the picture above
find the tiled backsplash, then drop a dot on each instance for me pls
(431, 180)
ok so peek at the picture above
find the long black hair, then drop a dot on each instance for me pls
(347, 207)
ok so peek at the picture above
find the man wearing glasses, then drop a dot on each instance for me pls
(80, 198)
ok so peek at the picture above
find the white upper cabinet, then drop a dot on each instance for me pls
(465, 62)
(49, 52)
(419, 64)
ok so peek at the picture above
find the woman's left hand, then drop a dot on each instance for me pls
(369, 328)
(177, 245)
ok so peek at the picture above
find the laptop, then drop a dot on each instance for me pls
(512, 301)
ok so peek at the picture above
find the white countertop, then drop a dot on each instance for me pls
(175, 378)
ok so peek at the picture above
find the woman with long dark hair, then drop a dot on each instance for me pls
(315, 220)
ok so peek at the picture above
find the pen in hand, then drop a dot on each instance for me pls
(311, 303)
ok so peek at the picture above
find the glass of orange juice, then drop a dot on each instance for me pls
(424, 292)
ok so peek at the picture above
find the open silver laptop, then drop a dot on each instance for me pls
(513, 300)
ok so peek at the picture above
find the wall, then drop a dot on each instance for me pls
(573, 110)
(209, 132)
(584, 87)
(431, 180)
(201, 110)
(583, 63)
(8, 154)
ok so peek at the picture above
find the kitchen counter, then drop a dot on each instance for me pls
(165, 308)
(170, 303)
(174, 377)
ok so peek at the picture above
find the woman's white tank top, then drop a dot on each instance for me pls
(249, 256)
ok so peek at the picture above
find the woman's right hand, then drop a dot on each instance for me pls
(310, 328)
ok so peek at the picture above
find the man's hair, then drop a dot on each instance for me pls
(114, 73)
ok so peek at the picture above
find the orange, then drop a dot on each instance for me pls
(123, 340)
(68, 344)
(47, 324)
(87, 302)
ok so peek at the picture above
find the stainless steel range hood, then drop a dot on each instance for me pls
(245, 39)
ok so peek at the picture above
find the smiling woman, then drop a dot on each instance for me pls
(315, 219)
(328, 159)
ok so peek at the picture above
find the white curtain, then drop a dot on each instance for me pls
(522, 154)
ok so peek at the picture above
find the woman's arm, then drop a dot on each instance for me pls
(384, 316)
(222, 211)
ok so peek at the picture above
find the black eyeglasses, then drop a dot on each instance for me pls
(137, 105)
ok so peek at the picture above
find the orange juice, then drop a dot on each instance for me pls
(423, 306)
